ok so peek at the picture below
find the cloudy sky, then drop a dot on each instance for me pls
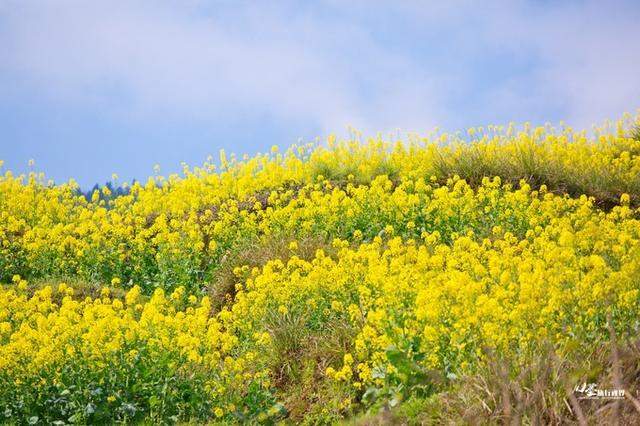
(91, 88)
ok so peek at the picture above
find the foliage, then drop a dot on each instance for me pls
(324, 282)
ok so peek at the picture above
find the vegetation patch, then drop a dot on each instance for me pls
(495, 280)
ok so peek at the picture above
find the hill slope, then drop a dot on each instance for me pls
(424, 281)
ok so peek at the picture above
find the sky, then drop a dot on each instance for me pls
(92, 88)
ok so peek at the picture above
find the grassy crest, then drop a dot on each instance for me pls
(441, 279)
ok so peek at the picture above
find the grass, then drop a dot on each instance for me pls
(506, 391)
(472, 165)
(300, 357)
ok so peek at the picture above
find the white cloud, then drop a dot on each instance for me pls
(168, 57)
(202, 59)
(588, 57)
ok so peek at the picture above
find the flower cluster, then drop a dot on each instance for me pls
(173, 231)
(428, 257)
(428, 304)
(122, 359)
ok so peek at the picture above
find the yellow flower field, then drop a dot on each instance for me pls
(327, 282)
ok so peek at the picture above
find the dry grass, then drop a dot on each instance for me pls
(472, 164)
(256, 253)
(505, 392)
(81, 288)
(300, 358)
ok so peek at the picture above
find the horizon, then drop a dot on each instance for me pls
(115, 182)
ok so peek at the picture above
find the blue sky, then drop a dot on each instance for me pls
(91, 88)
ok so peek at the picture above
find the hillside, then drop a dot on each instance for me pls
(433, 280)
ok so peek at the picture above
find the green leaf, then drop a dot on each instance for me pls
(154, 401)
(370, 395)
